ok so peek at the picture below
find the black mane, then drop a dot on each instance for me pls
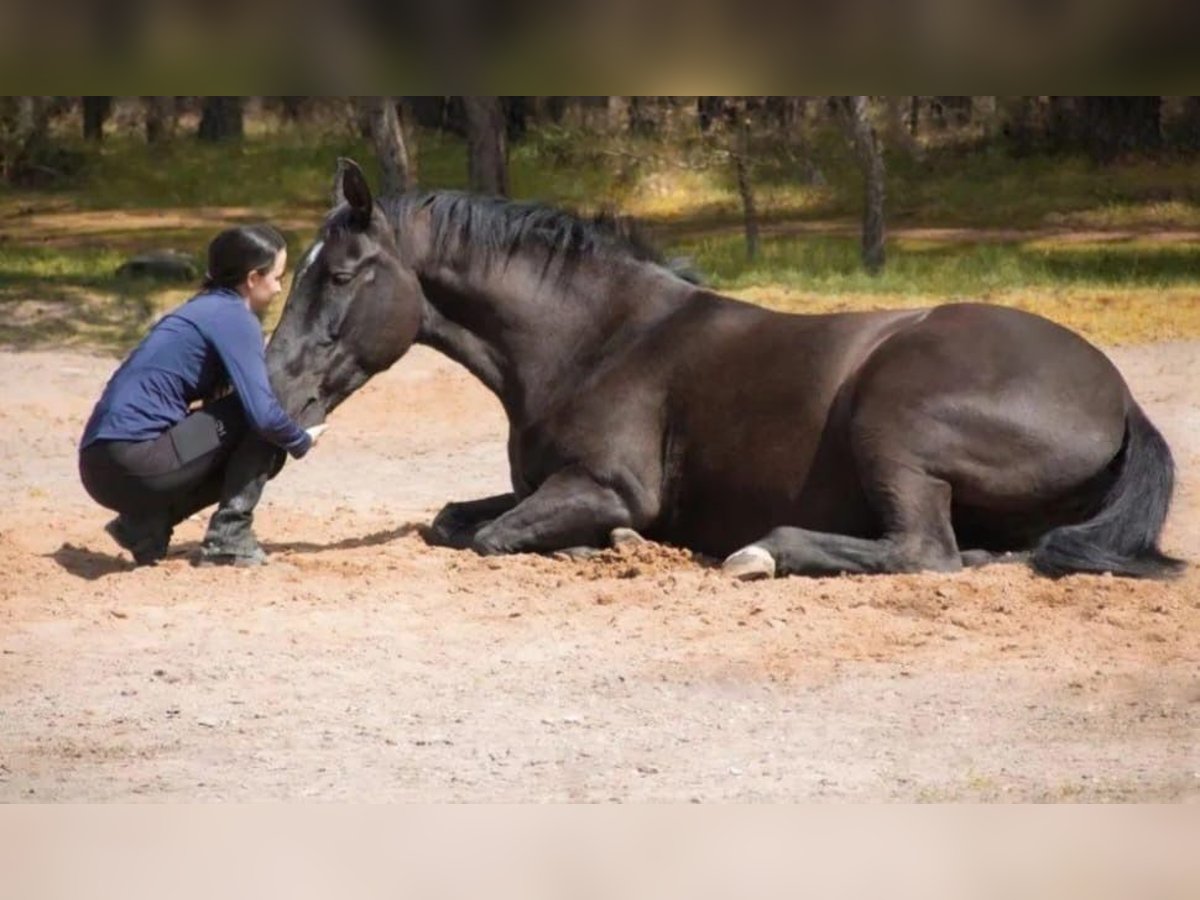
(499, 228)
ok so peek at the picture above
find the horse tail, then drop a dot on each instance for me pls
(1122, 537)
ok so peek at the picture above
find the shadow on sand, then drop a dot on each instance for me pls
(374, 539)
(90, 564)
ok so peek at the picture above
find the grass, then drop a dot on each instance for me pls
(945, 269)
(1019, 246)
(1113, 293)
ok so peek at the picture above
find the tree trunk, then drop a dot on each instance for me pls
(985, 112)
(292, 108)
(220, 119)
(1017, 124)
(870, 161)
(487, 165)
(741, 168)
(516, 117)
(96, 111)
(160, 118)
(24, 130)
(387, 134)
(708, 110)
(1062, 125)
(1186, 134)
(642, 119)
(951, 111)
(618, 114)
(898, 111)
(1116, 125)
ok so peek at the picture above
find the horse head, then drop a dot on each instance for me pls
(354, 307)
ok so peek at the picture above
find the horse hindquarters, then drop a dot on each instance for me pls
(1122, 538)
(1012, 419)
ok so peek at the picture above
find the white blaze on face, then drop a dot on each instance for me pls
(310, 259)
(304, 266)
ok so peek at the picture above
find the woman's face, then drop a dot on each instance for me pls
(260, 290)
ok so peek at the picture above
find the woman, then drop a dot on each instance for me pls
(147, 453)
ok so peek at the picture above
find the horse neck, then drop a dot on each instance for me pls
(529, 337)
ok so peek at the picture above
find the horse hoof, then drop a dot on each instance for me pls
(447, 531)
(620, 537)
(750, 563)
(576, 554)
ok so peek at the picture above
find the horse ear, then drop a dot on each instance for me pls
(350, 187)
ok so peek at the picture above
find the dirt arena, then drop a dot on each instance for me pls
(363, 665)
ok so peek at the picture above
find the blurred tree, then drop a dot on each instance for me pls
(618, 113)
(441, 113)
(96, 111)
(1185, 129)
(741, 171)
(516, 117)
(552, 109)
(487, 158)
(386, 130)
(29, 154)
(220, 119)
(161, 115)
(292, 108)
(855, 115)
(643, 119)
(1018, 123)
(1111, 126)
(727, 125)
(707, 110)
(950, 111)
(897, 111)
(24, 128)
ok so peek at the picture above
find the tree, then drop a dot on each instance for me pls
(382, 117)
(738, 113)
(220, 119)
(96, 111)
(1115, 125)
(160, 115)
(24, 127)
(855, 116)
(487, 163)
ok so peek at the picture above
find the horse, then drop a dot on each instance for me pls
(871, 442)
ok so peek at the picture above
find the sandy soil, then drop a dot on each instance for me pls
(362, 664)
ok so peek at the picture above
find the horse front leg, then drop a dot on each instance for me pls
(455, 526)
(570, 509)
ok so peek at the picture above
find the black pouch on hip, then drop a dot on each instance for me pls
(199, 434)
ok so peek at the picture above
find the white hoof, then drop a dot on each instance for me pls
(750, 563)
(622, 536)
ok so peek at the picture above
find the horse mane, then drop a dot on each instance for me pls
(497, 228)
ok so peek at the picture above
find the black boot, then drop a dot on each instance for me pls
(230, 537)
(147, 539)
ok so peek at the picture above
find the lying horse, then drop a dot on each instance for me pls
(864, 442)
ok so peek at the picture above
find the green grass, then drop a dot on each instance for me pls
(50, 295)
(59, 248)
(943, 270)
(21, 265)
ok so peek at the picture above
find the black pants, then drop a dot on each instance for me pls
(168, 478)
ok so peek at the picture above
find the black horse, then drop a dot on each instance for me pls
(872, 442)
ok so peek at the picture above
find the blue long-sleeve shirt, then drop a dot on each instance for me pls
(185, 356)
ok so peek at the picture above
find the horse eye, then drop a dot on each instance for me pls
(341, 278)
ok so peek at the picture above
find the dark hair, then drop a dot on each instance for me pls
(236, 252)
